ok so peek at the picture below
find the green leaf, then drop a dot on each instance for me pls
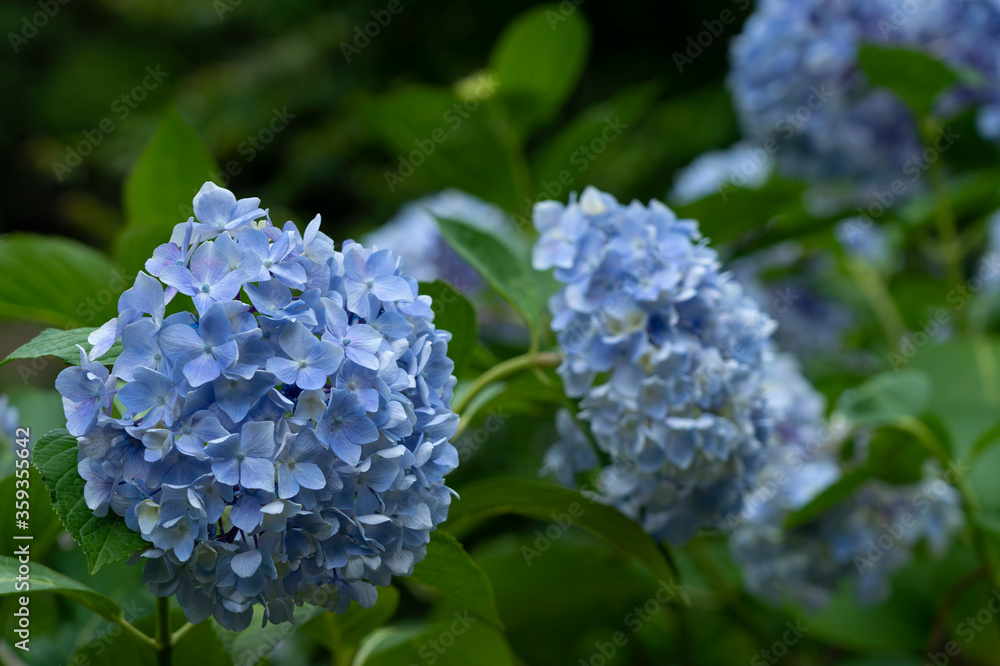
(565, 151)
(896, 456)
(449, 570)
(538, 61)
(43, 579)
(914, 76)
(468, 643)
(53, 342)
(453, 313)
(341, 633)
(503, 270)
(728, 214)
(158, 192)
(256, 643)
(544, 501)
(57, 281)
(433, 145)
(103, 540)
(887, 397)
(835, 493)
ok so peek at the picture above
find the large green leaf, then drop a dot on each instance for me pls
(449, 570)
(57, 281)
(53, 342)
(439, 140)
(453, 313)
(502, 269)
(103, 539)
(887, 397)
(538, 60)
(43, 579)
(564, 163)
(544, 501)
(914, 76)
(158, 192)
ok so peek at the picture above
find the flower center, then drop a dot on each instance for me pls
(160, 400)
(205, 288)
(207, 347)
(347, 342)
(338, 420)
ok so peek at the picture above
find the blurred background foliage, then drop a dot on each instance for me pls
(286, 102)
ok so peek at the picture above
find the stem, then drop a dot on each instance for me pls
(164, 643)
(874, 289)
(951, 252)
(505, 369)
(135, 634)
(179, 634)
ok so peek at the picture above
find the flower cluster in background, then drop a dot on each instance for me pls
(665, 351)
(284, 443)
(796, 80)
(413, 235)
(864, 539)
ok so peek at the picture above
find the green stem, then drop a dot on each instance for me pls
(507, 368)
(179, 634)
(875, 291)
(164, 642)
(135, 634)
(951, 252)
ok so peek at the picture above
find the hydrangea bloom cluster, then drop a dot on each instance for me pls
(865, 538)
(283, 443)
(796, 80)
(413, 234)
(665, 351)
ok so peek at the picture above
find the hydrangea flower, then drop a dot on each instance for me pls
(741, 165)
(865, 538)
(665, 352)
(285, 441)
(796, 81)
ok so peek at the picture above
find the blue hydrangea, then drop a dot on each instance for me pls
(665, 351)
(864, 538)
(283, 442)
(797, 84)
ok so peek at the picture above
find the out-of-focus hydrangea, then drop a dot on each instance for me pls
(413, 235)
(665, 351)
(283, 443)
(9, 423)
(810, 322)
(796, 81)
(989, 264)
(866, 241)
(865, 538)
(742, 165)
